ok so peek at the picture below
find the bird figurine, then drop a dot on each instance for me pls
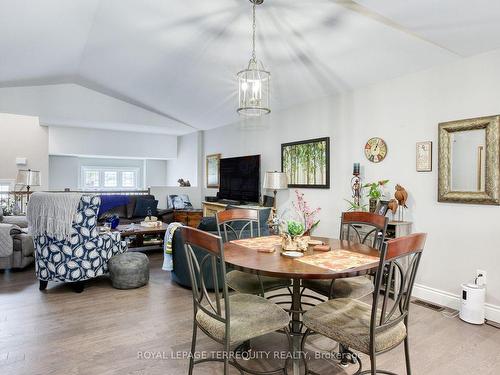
(393, 206)
(401, 195)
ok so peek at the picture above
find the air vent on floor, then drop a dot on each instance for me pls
(427, 305)
(492, 323)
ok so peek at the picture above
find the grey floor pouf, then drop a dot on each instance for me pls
(129, 270)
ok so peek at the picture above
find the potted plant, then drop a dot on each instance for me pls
(375, 192)
(308, 214)
(353, 206)
(297, 224)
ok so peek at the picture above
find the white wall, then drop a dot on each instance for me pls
(403, 111)
(186, 164)
(155, 172)
(22, 136)
(65, 171)
(110, 143)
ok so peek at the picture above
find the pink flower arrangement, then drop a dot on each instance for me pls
(302, 207)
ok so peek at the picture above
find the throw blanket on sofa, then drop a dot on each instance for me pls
(6, 243)
(52, 213)
(168, 264)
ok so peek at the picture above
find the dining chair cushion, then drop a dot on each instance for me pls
(350, 287)
(347, 321)
(251, 316)
(243, 282)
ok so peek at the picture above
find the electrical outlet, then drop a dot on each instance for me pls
(481, 280)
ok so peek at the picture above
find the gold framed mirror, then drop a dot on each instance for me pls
(469, 161)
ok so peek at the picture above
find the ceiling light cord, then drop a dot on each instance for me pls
(254, 56)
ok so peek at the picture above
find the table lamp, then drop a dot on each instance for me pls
(28, 178)
(275, 181)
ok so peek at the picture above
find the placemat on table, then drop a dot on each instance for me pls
(266, 242)
(338, 260)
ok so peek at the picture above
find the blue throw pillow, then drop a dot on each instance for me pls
(145, 207)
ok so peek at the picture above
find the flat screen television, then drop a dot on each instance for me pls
(240, 178)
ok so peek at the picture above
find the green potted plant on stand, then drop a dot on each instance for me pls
(375, 192)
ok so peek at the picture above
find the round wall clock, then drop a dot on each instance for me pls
(375, 150)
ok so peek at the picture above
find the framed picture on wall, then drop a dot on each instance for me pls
(424, 156)
(307, 163)
(212, 170)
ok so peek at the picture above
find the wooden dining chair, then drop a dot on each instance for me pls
(363, 227)
(383, 326)
(236, 224)
(228, 320)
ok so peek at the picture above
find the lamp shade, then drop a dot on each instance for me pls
(28, 177)
(275, 181)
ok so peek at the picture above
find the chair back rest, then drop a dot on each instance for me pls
(212, 261)
(84, 225)
(236, 222)
(399, 260)
(374, 226)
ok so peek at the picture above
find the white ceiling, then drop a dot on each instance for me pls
(177, 60)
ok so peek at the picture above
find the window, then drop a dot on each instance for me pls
(128, 179)
(5, 187)
(91, 179)
(109, 178)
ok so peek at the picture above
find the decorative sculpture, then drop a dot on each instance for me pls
(393, 206)
(401, 196)
(183, 183)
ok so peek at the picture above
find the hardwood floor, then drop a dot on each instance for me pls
(108, 331)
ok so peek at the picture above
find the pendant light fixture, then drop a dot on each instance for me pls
(254, 81)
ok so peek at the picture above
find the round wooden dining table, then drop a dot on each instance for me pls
(253, 260)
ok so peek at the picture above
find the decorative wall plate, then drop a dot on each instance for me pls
(375, 150)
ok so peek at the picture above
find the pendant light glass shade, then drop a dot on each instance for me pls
(254, 81)
(254, 85)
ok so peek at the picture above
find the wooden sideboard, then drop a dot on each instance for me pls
(190, 218)
(397, 229)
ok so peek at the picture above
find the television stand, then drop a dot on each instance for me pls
(229, 201)
(211, 208)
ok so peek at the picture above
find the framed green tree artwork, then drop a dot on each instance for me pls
(307, 163)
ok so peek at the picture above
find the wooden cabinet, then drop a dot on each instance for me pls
(397, 229)
(190, 218)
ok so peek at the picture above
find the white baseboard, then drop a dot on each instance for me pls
(442, 298)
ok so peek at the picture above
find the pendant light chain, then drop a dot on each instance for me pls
(254, 57)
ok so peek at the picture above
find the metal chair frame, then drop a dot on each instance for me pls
(218, 309)
(249, 217)
(391, 256)
(351, 221)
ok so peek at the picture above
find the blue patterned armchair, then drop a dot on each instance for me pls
(82, 256)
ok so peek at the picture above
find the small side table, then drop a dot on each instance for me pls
(190, 218)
